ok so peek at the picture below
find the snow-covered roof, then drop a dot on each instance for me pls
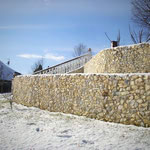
(6, 73)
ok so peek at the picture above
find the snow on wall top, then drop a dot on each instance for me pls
(87, 74)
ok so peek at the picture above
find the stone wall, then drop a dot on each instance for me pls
(123, 59)
(120, 98)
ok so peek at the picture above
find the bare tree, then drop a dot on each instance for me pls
(139, 36)
(141, 12)
(118, 38)
(38, 65)
(140, 16)
(79, 50)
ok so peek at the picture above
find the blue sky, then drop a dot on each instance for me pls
(32, 29)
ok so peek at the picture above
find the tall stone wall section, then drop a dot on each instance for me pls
(120, 98)
(123, 59)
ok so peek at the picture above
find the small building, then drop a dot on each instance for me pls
(6, 76)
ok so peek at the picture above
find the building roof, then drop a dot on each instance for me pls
(6, 73)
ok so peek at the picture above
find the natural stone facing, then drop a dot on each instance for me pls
(120, 98)
(122, 59)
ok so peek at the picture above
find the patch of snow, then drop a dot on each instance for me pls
(26, 128)
(87, 74)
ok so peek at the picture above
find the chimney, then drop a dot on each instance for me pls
(89, 50)
(114, 44)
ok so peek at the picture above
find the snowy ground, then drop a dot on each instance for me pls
(26, 128)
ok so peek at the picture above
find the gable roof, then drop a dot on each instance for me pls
(6, 73)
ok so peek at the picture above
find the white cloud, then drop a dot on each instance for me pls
(29, 56)
(46, 56)
(50, 56)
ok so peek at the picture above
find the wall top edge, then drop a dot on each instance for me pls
(87, 74)
(127, 46)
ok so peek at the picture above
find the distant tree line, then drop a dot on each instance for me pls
(80, 49)
(38, 65)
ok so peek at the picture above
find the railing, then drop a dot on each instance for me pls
(67, 66)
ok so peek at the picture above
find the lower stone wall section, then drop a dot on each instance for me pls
(119, 98)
